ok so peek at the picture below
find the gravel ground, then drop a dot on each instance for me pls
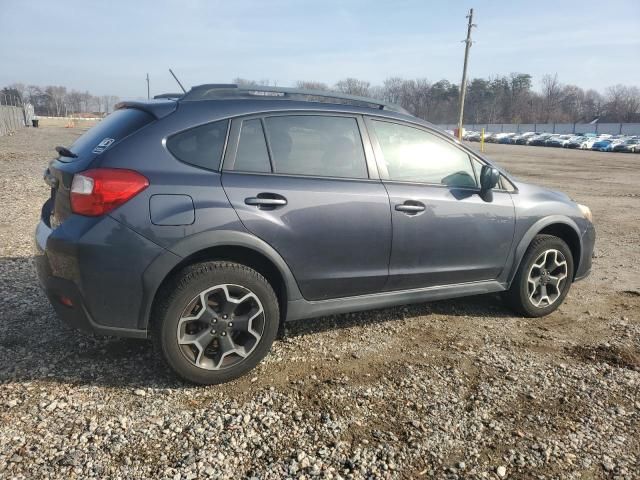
(452, 389)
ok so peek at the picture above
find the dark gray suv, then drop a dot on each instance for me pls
(204, 220)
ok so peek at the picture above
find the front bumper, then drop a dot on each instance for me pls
(588, 244)
(91, 271)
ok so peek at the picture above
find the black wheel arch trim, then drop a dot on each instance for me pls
(517, 254)
(162, 266)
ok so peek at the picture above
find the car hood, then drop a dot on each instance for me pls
(541, 193)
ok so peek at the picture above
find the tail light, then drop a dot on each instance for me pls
(98, 191)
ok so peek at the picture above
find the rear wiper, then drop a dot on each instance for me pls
(65, 152)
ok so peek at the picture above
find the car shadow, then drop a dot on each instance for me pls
(35, 345)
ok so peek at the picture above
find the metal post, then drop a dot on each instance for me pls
(148, 90)
(463, 85)
(482, 141)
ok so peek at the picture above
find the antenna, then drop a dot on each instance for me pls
(174, 76)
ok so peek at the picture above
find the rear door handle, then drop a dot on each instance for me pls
(410, 207)
(266, 201)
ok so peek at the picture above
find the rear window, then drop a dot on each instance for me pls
(201, 146)
(109, 131)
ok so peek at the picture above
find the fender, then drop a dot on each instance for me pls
(515, 258)
(155, 273)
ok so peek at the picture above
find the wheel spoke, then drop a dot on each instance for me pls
(544, 296)
(244, 323)
(226, 344)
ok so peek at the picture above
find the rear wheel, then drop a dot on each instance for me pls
(543, 279)
(216, 322)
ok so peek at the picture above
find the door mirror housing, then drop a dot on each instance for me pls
(489, 178)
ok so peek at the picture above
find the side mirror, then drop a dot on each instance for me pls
(489, 178)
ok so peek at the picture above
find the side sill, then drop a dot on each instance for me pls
(299, 309)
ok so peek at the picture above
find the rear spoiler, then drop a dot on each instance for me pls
(157, 108)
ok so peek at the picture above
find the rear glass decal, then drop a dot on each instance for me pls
(103, 145)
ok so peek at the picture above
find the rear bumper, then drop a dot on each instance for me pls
(91, 271)
(76, 315)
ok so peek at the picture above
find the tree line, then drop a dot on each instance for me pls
(57, 101)
(498, 99)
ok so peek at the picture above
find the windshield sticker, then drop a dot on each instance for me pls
(103, 145)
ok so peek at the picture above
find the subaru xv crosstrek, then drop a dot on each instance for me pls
(204, 220)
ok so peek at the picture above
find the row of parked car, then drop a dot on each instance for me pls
(584, 141)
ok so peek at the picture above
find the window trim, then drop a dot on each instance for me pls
(222, 154)
(384, 174)
(228, 164)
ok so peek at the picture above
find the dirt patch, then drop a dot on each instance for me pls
(623, 357)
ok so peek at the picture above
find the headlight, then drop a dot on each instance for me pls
(586, 211)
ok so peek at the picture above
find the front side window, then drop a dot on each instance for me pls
(316, 145)
(413, 155)
(201, 146)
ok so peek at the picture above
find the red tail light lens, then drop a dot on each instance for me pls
(98, 191)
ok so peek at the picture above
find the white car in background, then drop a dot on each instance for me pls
(574, 141)
(589, 141)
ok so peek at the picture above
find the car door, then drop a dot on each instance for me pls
(443, 232)
(307, 184)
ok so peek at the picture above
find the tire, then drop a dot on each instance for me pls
(526, 297)
(193, 339)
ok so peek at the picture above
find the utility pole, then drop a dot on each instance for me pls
(148, 91)
(463, 85)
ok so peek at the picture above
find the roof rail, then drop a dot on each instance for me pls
(222, 91)
(168, 95)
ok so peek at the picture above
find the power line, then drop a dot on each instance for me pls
(463, 85)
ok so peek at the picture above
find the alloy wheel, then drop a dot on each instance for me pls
(221, 326)
(547, 278)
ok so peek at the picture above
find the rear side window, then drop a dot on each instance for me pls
(112, 129)
(201, 146)
(316, 145)
(252, 155)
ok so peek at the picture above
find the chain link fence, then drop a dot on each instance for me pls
(565, 128)
(14, 114)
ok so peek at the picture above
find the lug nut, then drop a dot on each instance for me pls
(225, 316)
(231, 324)
(224, 334)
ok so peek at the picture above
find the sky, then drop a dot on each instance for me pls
(108, 47)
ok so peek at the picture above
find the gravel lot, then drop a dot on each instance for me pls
(451, 389)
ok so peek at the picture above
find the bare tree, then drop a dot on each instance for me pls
(622, 102)
(353, 86)
(551, 94)
(499, 99)
(311, 85)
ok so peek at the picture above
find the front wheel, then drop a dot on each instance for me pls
(216, 321)
(543, 279)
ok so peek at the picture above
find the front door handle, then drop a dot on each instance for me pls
(410, 207)
(266, 201)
